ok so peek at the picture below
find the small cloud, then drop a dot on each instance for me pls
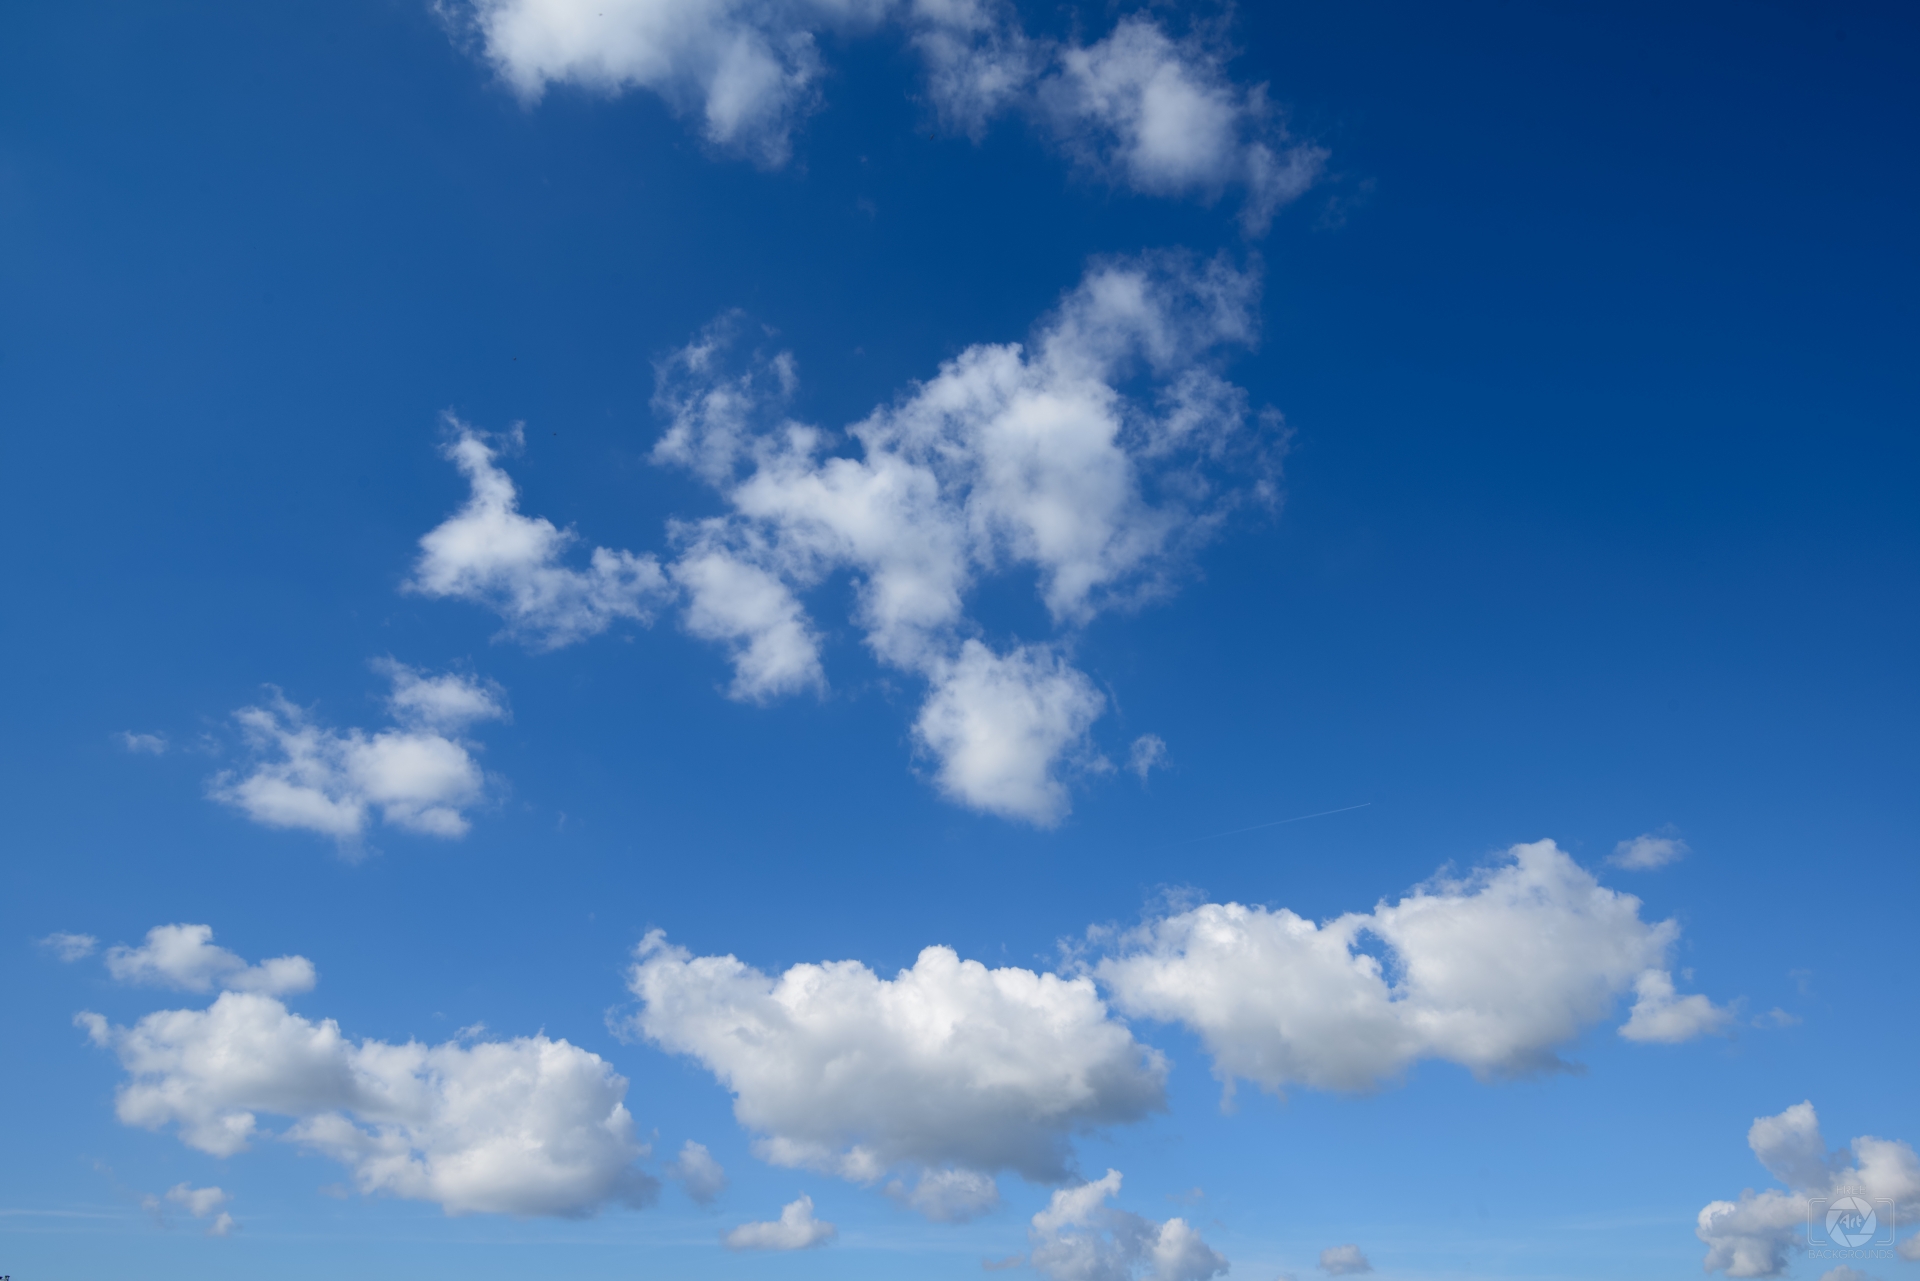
(1649, 850)
(200, 1203)
(1344, 1261)
(1776, 1017)
(1192, 1196)
(697, 1172)
(337, 1191)
(1149, 753)
(795, 1229)
(184, 957)
(148, 744)
(70, 947)
(1002, 1265)
(1802, 981)
(1662, 1015)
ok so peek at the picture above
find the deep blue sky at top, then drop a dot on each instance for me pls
(1599, 348)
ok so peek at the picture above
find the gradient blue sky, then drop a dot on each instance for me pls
(1596, 339)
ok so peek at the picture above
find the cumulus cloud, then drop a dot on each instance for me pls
(696, 1171)
(144, 744)
(1649, 850)
(1758, 1235)
(1493, 971)
(1660, 1014)
(1090, 461)
(948, 1071)
(70, 947)
(1344, 1261)
(528, 1126)
(1138, 107)
(1078, 1237)
(490, 554)
(417, 775)
(999, 724)
(795, 1229)
(184, 957)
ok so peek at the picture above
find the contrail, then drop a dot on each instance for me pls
(1278, 822)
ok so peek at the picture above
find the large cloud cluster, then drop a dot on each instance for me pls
(1494, 972)
(946, 1073)
(1032, 460)
(529, 1126)
(419, 775)
(1145, 110)
(1757, 1235)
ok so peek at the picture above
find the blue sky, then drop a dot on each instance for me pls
(1540, 470)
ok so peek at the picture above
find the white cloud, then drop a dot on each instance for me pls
(795, 1229)
(184, 957)
(1493, 972)
(1757, 1235)
(199, 1202)
(999, 725)
(1091, 461)
(1659, 1014)
(70, 947)
(414, 776)
(751, 611)
(147, 744)
(1149, 753)
(447, 704)
(1078, 1237)
(490, 554)
(1344, 1261)
(697, 1172)
(1163, 117)
(1909, 1249)
(1649, 850)
(746, 71)
(947, 1067)
(1137, 107)
(1844, 1273)
(528, 1126)
(202, 1203)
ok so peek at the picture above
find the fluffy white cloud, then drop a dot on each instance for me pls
(999, 725)
(1091, 461)
(1163, 117)
(746, 69)
(948, 1070)
(490, 554)
(1078, 1237)
(697, 1172)
(528, 1126)
(147, 744)
(1493, 971)
(795, 1229)
(70, 947)
(1660, 1014)
(1138, 107)
(1344, 1261)
(185, 957)
(1649, 850)
(1757, 1235)
(415, 776)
